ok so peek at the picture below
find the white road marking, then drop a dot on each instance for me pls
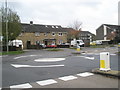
(20, 66)
(113, 54)
(86, 74)
(83, 53)
(46, 82)
(79, 56)
(91, 58)
(25, 56)
(3, 55)
(27, 85)
(66, 78)
(49, 59)
(97, 54)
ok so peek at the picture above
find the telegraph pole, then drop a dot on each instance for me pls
(6, 27)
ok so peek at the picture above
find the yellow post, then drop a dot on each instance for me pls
(78, 48)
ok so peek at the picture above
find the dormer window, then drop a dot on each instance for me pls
(52, 26)
(56, 26)
(37, 34)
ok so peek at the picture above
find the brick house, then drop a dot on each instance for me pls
(33, 34)
(108, 32)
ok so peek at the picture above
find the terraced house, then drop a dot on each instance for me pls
(34, 34)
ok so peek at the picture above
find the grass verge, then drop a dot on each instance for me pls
(11, 53)
(54, 49)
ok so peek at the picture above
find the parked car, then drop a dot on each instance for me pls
(51, 46)
(43, 45)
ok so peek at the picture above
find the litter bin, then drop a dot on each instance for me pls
(105, 61)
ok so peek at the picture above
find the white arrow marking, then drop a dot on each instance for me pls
(92, 58)
(20, 66)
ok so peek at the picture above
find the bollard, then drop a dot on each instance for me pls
(78, 48)
(105, 61)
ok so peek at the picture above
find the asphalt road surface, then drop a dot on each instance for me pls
(33, 65)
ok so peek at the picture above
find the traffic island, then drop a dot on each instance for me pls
(107, 73)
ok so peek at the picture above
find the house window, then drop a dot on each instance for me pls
(52, 26)
(37, 42)
(20, 34)
(60, 34)
(37, 34)
(60, 42)
(45, 34)
(56, 26)
(53, 33)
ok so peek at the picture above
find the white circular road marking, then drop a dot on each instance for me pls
(26, 56)
(49, 59)
(30, 66)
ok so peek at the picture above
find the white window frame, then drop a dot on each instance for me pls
(60, 34)
(52, 33)
(21, 34)
(45, 34)
(37, 33)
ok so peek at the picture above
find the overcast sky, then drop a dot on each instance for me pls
(92, 13)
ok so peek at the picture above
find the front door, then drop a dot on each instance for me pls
(28, 44)
(46, 43)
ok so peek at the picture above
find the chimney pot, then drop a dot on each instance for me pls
(31, 22)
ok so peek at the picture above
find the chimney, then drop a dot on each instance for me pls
(31, 22)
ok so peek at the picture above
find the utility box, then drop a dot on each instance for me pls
(105, 61)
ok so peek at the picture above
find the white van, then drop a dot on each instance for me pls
(77, 42)
(16, 43)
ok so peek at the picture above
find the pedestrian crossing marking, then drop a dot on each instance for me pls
(46, 82)
(86, 74)
(67, 78)
(27, 85)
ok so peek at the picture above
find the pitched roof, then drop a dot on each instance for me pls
(117, 27)
(42, 28)
(86, 32)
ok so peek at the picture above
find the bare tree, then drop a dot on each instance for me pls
(76, 25)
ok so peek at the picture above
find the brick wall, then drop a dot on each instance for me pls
(31, 37)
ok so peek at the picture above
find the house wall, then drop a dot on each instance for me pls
(31, 37)
(100, 33)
